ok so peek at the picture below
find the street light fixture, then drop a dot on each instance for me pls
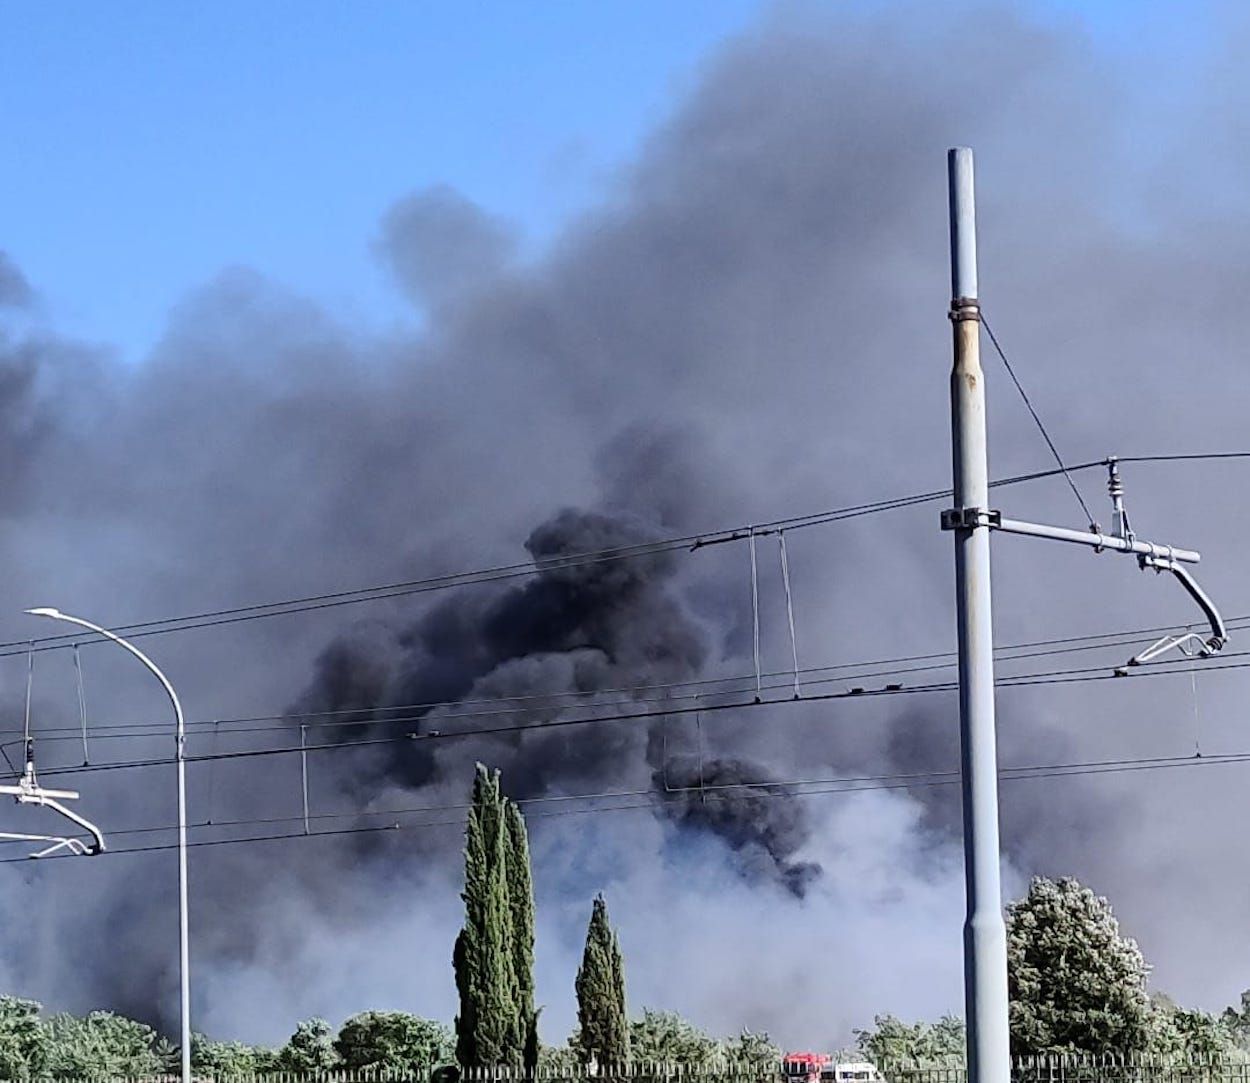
(180, 745)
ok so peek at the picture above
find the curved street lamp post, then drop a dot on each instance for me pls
(180, 743)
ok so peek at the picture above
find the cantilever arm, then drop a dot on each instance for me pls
(27, 794)
(97, 846)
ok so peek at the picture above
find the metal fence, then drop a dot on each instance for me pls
(634, 1072)
(1234, 1068)
(1141, 1068)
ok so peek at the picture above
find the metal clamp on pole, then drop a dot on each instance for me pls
(965, 308)
(969, 518)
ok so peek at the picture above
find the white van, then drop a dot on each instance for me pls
(855, 1071)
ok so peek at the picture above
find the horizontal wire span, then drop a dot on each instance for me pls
(773, 790)
(283, 607)
(1023, 680)
(860, 670)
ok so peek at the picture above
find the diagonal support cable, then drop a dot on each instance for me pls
(1040, 427)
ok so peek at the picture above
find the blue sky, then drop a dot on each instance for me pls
(149, 145)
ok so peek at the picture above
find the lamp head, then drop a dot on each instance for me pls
(46, 611)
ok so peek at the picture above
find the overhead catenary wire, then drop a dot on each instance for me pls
(760, 790)
(1200, 456)
(1024, 680)
(409, 713)
(790, 786)
(501, 573)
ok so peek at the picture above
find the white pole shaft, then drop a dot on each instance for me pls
(184, 920)
(985, 934)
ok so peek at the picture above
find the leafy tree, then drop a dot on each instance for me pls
(309, 1051)
(104, 1044)
(751, 1049)
(1076, 984)
(667, 1037)
(559, 1060)
(603, 1025)
(1237, 1022)
(488, 1028)
(215, 1059)
(393, 1042)
(23, 1038)
(521, 904)
(892, 1041)
(1187, 1032)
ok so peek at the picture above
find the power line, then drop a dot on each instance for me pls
(284, 607)
(499, 573)
(1209, 456)
(863, 669)
(774, 789)
(1053, 677)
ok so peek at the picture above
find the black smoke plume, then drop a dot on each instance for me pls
(576, 626)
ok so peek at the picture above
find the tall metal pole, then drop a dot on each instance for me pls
(184, 930)
(180, 739)
(985, 934)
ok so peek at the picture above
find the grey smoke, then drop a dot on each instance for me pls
(750, 326)
(440, 245)
(15, 291)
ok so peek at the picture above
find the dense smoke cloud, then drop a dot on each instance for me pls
(576, 627)
(763, 824)
(750, 326)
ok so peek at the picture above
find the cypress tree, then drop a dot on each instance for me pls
(486, 1026)
(521, 898)
(600, 987)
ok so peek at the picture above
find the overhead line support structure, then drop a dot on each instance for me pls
(985, 933)
(971, 520)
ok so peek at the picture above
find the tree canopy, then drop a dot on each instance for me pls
(393, 1042)
(1076, 984)
(892, 1040)
(309, 1050)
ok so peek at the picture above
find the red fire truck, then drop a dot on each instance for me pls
(805, 1067)
(824, 1068)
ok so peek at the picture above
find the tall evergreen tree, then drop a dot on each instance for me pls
(600, 986)
(494, 953)
(486, 1027)
(521, 899)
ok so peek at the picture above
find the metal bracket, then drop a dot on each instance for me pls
(1205, 647)
(1180, 642)
(1122, 539)
(29, 792)
(965, 308)
(969, 518)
